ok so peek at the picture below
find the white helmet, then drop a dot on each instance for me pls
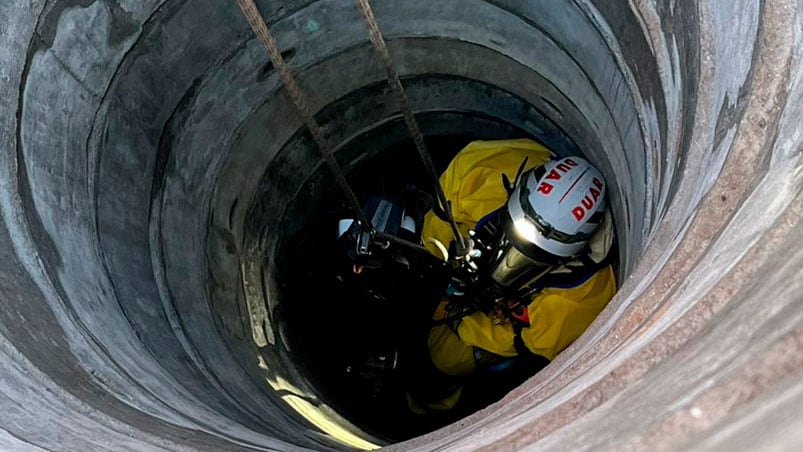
(558, 206)
(552, 213)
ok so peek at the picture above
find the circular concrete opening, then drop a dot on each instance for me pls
(154, 171)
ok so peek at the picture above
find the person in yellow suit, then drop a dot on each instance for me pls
(538, 272)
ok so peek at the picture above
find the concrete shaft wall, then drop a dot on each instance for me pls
(151, 164)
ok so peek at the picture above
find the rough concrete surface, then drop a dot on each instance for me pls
(151, 164)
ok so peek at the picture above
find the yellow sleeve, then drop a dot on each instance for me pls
(473, 183)
(559, 316)
(479, 330)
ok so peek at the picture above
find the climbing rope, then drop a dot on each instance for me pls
(260, 28)
(254, 18)
(409, 118)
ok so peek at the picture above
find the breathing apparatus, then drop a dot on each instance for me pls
(552, 212)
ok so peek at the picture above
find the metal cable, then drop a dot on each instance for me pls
(257, 22)
(418, 138)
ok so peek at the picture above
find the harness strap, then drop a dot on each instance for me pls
(533, 362)
(518, 342)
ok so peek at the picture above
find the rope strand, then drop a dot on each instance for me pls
(260, 28)
(418, 138)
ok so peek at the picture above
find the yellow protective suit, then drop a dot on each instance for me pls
(473, 184)
(557, 316)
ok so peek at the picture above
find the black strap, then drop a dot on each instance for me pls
(510, 186)
(518, 342)
(439, 212)
(453, 320)
(530, 362)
